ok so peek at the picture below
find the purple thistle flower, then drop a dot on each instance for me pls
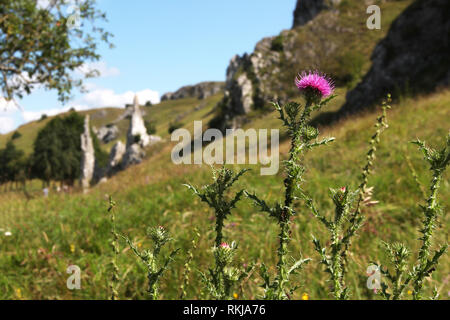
(315, 83)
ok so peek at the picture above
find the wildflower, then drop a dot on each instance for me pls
(305, 296)
(139, 245)
(314, 85)
(224, 245)
(72, 248)
(410, 292)
(8, 234)
(19, 293)
(235, 295)
(343, 189)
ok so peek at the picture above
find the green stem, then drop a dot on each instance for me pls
(429, 222)
(282, 252)
(219, 227)
(336, 263)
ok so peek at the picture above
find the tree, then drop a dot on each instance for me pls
(16, 135)
(57, 149)
(12, 163)
(43, 42)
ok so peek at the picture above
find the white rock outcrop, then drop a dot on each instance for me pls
(137, 132)
(137, 138)
(87, 156)
(115, 156)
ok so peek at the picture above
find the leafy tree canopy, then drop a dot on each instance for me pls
(42, 42)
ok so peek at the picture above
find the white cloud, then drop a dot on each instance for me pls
(7, 124)
(98, 98)
(35, 115)
(8, 106)
(100, 66)
(108, 98)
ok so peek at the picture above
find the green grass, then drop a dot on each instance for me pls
(35, 257)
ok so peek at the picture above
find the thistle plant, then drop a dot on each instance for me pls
(427, 261)
(223, 277)
(317, 90)
(345, 223)
(155, 270)
(114, 282)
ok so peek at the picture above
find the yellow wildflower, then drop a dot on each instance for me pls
(72, 248)
(410, 292)
(19, 293)
(235, 295)
(305, 296)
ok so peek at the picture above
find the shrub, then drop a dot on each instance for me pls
(150, 126)
(174, 126)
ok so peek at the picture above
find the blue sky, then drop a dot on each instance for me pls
(161, 46)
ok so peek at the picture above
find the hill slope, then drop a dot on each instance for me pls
(49, 234)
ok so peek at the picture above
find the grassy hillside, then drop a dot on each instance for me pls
(50, 234)
(161, 114)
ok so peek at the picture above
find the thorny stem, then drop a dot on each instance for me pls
(115, 247)
(356, 218)
(429, 222)
(289, 183)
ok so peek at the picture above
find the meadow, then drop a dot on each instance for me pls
(49, 234)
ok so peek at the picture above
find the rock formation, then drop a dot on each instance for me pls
(267, 74)
(306, 10)
(201, 90)
(323, 39)
(133, 155)
(115, 157)
(137, 138)
(137, 132)
(87, 155)
(413, 58)
(107, 133)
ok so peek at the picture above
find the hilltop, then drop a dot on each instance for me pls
(161, 115)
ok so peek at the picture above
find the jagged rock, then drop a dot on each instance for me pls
(107, 133)
(414, 56)
(133, 155)
(87, 155)
(201, 90)
(115, 157)
(137, 132)
(267, 74)
(137, 140)
(306, 10)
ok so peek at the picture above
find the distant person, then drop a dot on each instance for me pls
(45, 192)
